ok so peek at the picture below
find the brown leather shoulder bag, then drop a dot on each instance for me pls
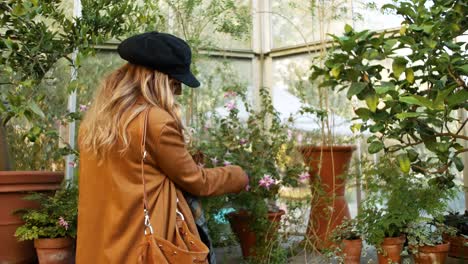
(156, 250)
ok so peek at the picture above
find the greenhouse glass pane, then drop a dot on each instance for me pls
(291, 23)
(212, 23)
(93, 70)
(242, 39)
(374, 19)
(292, 89)
(299, 22)
(216, 76)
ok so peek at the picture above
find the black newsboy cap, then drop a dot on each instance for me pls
(160, 51)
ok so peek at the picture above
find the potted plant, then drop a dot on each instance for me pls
(327, 167)
(52, 226)
(348, 237)
(458, 241)
(258, 142)
(425, 240)
(394, 200)
(409, 106)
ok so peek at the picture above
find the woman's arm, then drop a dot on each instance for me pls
(176, 163)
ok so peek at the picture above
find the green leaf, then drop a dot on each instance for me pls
(389, 43)
(35, 108)
(348, 28)
(363, 113)
(335, 72)
(376, 128)
(409, 75)
(405, 163)
(457, 98)
(399, 66)
(372, 100)
(384, 87)
(417, 100)
(441, 97)
(375, 147)
(403, 30)
(402, 116)
(412, 154)
(430, 42)
(458, 163)
(9, 43)
(355, 128)
(464, 69)
(427, 28)
(356, 88)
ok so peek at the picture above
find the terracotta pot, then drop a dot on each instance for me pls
(352, 251)
(14, 185)
(329, 163)
(431, 254)
(391, 250)
(240, 225)
(458, 247)
(55, 250)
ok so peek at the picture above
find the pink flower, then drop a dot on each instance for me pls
(214, 161)
(299, 138)
(230, 94)
(72, 163)
(247, 187)
(304, 176)
(63, 223)
(266, 181)
(227, 163)
(290, 134)
(83, 108)
(243, 141)
(201, 165)
(231, 105)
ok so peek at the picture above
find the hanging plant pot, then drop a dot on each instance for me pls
(329, 163)
(14, 185)
(352, 251)
(55, 250)
(431, 254)
(391, 250)
(241, 226)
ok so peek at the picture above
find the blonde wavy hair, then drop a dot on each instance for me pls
(105, 123)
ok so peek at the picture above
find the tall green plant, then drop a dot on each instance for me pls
(411, 108)
(35, 36)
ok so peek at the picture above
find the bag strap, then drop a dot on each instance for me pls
(144, 153)
(143, 157)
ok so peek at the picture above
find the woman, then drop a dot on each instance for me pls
(110, 210)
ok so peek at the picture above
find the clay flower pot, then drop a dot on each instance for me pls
(240, 225)
(458, 247)
(55, 250)
(391, 250)
(14, 185)
(431, 254)
(329, 163)
(352, 251)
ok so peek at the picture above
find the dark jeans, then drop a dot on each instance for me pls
(202, 225)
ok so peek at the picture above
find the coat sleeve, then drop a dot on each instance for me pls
(176, 163)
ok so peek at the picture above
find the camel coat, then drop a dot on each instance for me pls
(110, 209)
